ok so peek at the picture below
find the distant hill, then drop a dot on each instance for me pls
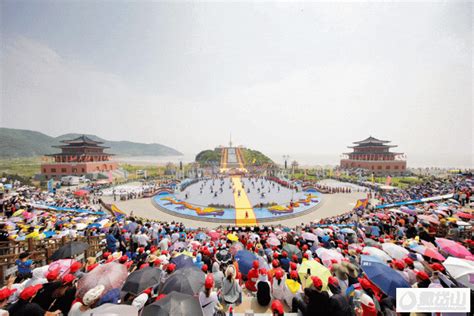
(251, 157)
(15, 143)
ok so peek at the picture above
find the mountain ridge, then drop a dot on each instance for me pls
(16, 143)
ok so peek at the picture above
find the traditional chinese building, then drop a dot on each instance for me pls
(374, 155)
(81, 156)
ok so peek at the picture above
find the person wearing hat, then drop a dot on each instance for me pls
(263, 288)
(279, 284)
(231, 290)
(5, 294)
(315, 301)
(89, 301)
(277, 308)
(25, 307)
(422, 279)
(252, 277)
(208, 298)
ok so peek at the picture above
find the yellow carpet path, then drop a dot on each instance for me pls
(242, 205)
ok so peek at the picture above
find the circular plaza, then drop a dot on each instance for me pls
(237, 200)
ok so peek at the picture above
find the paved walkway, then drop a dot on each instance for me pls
(244, 214)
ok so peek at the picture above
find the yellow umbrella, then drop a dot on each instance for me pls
(34, 234)
(316, 269)
(452, 219)
(232, 237)
(18, 213)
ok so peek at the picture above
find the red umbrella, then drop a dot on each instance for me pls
(214, 235)
(464, 215)
(81, 193)
(429, 252)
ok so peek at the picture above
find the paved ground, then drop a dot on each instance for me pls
(332, 204)
(278, 194)
(244, 214)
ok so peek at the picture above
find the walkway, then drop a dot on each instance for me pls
(242, 205)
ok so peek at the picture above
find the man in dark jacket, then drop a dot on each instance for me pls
(338, 303)
(314, 302)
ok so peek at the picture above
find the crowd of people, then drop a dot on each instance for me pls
(313, 269)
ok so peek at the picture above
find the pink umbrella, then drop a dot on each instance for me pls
(81, 193)
(63, 265)
(429, 252)
(453, 248)
(309, 236)
(408, 211)
(328, 256)
(273, 241)
(27, 215)
(111, 275)
(429, 219)
(214, 235)
(381, 216)
(236, 247)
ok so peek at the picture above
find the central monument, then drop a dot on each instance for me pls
(232, 160)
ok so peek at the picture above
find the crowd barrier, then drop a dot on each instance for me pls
(411, 202)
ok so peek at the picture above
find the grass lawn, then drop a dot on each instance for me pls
(24, 167)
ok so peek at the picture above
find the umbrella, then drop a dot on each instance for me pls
(232, 237)
(460, 270)
(319, 232)
(174, 304)
(292, 250)
(316, 269)
(347, 231)
(142, 279)
(236, 247)
(464, 215)
(430, 219)
(329, 255)
(182, 261)
(114, 309)
(223, 256)
(376, 252)
(428, 252)
(371, 242)
(452, 248)
(178, 246)
(188, 281)
(200, 236)
(69, 250)
(214, 235)
(395, 251)
(309, 236)
(111, 275)
(273, 241)
(63, 265)
(387, 279)
(81, 193)
(408, 211)
(245, 259)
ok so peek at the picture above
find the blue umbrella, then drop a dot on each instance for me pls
(387, 279)
(201, 236)
(245, 259)
(97, 225)
(347, 231)
(49, 233)
(182, 261)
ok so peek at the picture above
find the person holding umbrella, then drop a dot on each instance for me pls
(314, 301)
(208, 298)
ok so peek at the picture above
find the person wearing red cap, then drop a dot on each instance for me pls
(422, 279)
(263, 288)
(25, 307)
(315, 301)
(5, 294)
(338, 303)
(277, 308)
(285, 261)
(252, 277)
(204, 268)
(278, 284)
(208, 298)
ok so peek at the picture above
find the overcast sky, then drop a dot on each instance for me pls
(283, 78)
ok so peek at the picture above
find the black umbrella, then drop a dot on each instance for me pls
(142, 279)
(174, 304)
(292, 250)
(187, 280)
(223, 256)
(183, 261)
(69, 250)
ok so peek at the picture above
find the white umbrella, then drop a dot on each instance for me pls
(460, 270)
(395, 251)
(309, 236)
(376, 252)
(114, 309)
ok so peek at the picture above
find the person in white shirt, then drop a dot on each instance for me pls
(208, 298)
